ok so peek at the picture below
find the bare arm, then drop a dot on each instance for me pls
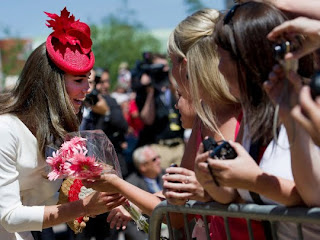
(101, 107)
(147, 113)
(112, 183)
(190, 151)
(189, 182)
(221, 194)
(308, 8)
(304, 153)
(94, 204)
(243, 173)
(305, 164)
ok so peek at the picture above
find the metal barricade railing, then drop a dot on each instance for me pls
(272, 213)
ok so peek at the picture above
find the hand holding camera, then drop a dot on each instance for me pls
(305, 37)
(218, 151)
(240, 172)
(310, 29)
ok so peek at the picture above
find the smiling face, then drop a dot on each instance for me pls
(77, 87)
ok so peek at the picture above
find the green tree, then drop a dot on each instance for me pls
(118, 40)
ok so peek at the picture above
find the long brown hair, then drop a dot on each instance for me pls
(243, 35)
(41, 101)
(192, 39)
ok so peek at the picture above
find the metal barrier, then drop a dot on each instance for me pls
(272, 213)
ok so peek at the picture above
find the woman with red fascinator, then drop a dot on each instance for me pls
(45, 105)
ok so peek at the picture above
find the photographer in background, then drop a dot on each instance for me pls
(103, 112)
(148, 177)
(93, 102)
(155, 100)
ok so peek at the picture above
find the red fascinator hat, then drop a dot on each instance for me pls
(69, 45)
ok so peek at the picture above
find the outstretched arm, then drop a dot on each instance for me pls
(243, 173)
(112, 183)
(305, 154)
(94, 204)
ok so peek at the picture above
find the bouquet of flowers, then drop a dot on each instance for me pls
(84, 155)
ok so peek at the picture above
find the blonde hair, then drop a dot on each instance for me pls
(192, 39)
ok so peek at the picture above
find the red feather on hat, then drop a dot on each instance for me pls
(68, 32)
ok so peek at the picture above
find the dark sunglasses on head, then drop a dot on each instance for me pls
(227, 18)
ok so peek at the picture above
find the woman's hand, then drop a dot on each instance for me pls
(309, 28)
(104, 183)
(307, 114)
(276, 89)
(201, 169)
(119, 218)
(100, 202)
(101, 107)
(241, 172)
(180, 185)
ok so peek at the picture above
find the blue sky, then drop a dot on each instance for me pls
(25, 18)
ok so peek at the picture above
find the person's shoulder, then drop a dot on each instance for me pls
(133, 177)
(9, 126)
(8, 120)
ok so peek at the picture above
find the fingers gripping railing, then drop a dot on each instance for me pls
(272, 213)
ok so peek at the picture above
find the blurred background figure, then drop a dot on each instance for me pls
(106, 114)
(147, 177)
(103, 112)
(156, 100)
(124, 75)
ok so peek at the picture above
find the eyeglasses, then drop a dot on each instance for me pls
(155, 158)
(227, 18)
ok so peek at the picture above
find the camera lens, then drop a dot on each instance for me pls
(280, 50)
(315, 85)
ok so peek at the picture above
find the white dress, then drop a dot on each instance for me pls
(24, 188)
(276, 161)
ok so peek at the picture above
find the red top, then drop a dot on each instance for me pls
(133, 118)
(237, 226)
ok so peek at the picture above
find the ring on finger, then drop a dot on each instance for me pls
(187, 180)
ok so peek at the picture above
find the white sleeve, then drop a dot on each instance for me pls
(14, 217)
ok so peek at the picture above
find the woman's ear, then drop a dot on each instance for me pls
(184, 61)
(142, 167)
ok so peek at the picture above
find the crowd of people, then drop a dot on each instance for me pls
(247, 77)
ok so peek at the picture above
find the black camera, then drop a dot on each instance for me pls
(288, 46)
(220, 151)
(159, 77)
(92, 97)
(315, 85)
(280, 49)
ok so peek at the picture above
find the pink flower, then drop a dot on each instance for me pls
(73, 146)
(56, 162)
(83, 167)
